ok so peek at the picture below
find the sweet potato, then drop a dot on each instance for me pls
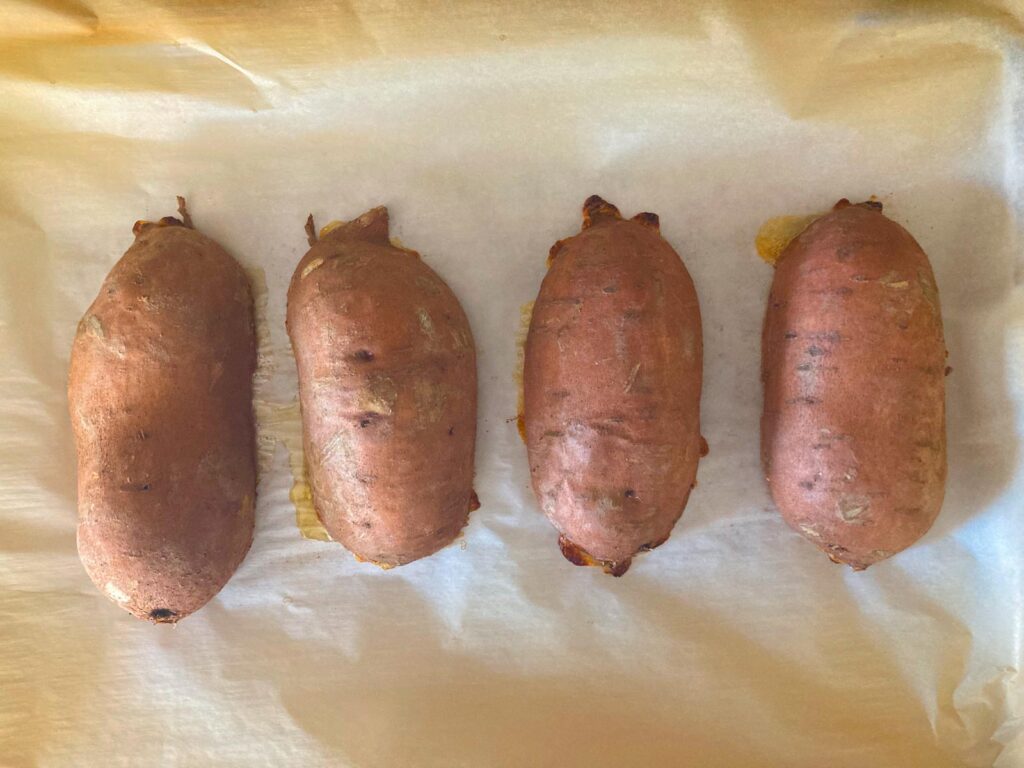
(853, 362)
(160, 393)
(611, 386)
(387, 387)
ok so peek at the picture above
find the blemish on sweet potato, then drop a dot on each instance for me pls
(310, 267)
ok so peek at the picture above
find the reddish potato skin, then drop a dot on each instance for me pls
(388, 391)
(611, 385)
(160, 393)
(853, 436)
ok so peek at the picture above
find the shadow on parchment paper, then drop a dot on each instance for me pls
(47, 693)
(851, 696)
(402, 699)
(40, 696)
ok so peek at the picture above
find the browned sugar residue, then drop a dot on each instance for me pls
(283, 423)
(525, 314)
(596, 208)
(576, 555)
(777, 233)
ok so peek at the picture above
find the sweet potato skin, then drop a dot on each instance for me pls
(612, 381)
(160, 394)
(388, 392)
(853, 363)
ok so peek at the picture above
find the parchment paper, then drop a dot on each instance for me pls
(484, 127)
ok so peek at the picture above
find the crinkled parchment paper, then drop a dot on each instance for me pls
(484, 126)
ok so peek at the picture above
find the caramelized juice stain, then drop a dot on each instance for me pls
(576, 555)
(778, 232)
(525, 315)
(283, 422)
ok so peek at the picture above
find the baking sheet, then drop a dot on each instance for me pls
(484, 127)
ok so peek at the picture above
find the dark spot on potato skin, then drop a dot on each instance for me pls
(363, 355)
(844, 253)
(844, 290)
(629, 493)
(815, 351)
(162, 614)
(807, 484)
(791, 334)
(803, 401)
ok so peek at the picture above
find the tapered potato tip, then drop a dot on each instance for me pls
(373, 226)
(873, 205)
(183, 212)
(167, 221)
(648, 220)
(596, 209)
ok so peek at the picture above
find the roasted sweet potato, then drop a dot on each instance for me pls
(611, 385)
(387, 387)
(160, 393)
(853, 362)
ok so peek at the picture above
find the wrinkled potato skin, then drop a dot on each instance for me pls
(853, 436)
(387, 386)
(160, 394)
(612, 382)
